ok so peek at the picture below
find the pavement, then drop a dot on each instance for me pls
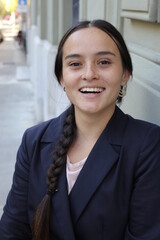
(17, 108)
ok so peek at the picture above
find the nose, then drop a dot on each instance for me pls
(90, 72)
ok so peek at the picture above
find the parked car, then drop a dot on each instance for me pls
(1, 36)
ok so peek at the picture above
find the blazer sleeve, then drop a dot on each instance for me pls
(14, 223)
(144, 218)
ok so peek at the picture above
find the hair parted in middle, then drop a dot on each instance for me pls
(41, 219)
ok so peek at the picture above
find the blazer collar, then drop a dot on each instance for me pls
(115, 128)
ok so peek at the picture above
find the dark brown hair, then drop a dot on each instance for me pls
(41, 221)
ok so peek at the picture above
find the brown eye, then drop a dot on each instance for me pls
(104, 62)
(75, 64)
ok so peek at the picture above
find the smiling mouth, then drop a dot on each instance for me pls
(87, 90)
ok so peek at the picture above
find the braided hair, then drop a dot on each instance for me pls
(42, 216)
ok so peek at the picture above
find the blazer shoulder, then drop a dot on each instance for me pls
(140, 129)
(45, 131)
(141, 124)
(37, 131)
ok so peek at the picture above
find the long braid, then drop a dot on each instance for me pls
(60, 153)
(41, 221)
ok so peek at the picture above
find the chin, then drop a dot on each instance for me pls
(90, 110)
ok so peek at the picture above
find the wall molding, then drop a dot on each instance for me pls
(146, 71)
(145, 10)
(144, 52)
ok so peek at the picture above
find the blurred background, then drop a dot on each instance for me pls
(29, 34)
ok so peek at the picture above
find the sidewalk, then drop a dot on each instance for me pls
(16, 110)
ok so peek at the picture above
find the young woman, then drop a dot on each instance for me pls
(102, 166)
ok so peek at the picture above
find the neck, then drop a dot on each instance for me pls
(90, 126)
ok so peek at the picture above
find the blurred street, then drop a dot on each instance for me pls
(16, 107)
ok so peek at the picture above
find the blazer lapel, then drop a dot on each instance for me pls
(101, 160)
(99, 163)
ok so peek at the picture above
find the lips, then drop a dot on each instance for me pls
(87, 90)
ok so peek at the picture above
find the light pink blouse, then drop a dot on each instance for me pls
(72, 172)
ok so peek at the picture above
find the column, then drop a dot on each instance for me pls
(33, 12)
(65, 16)
(52, 22)
(42, 19)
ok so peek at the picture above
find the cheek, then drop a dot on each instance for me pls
(70, 84)
(70, 79)
(114, 76)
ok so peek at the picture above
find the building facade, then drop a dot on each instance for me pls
(138, 22)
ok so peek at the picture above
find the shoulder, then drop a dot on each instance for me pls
(140, 127)
(128, 125)
(135, 131)
(141, 143)
(45, 131)
(141, 135)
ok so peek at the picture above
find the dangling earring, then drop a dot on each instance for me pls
(122, 91)
(64, 89)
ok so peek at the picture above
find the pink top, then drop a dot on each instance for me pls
(72, 172)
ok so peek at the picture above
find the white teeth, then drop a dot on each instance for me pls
(91, 90)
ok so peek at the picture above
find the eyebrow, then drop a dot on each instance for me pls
(105, 53)
(75, 55)
(72, 56)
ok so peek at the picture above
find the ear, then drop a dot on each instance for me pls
(125, 77)
(62, 82)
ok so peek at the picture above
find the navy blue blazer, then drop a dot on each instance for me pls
(116, 195)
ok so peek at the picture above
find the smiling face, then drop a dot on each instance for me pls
(92, 71)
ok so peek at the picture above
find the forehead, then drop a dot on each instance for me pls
(89, 39)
